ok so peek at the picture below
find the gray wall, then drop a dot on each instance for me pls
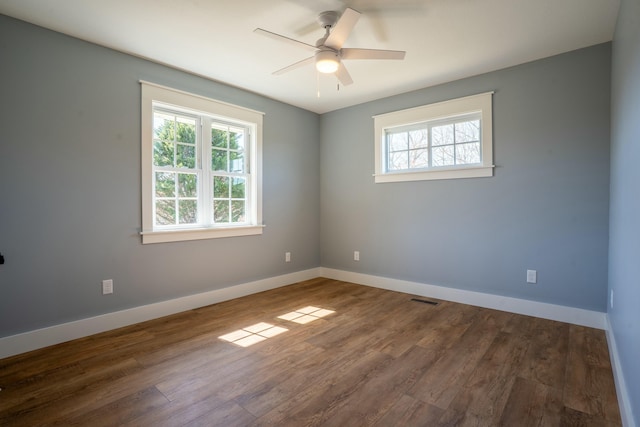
(546, 208)
(70, 185)
(624, 225)
(70, 208)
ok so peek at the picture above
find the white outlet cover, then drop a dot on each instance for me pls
(532, 276)
(107, 287)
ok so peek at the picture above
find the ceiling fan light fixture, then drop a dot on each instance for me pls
(327, 61)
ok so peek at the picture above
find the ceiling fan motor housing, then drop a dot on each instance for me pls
(328, 18)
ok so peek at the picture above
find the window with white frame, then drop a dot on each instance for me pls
(450, 139)
(201, 162)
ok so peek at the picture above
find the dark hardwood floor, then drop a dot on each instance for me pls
(368, 357)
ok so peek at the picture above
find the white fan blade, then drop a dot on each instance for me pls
(342, 29)
(347, 53)
(293, 66)
(284, 39)
(343, 75)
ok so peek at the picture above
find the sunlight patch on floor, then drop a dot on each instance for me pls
(306, 314)
(253, 334)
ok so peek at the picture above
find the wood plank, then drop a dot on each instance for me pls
(122, 410)
(407, 411)
(486, 391)
(380, 392)
(532, 404)
(589, 386)
(319, 401)
(446, 376)
(64, 399)
(267, 395)
(180, 412)
(546, 359)
(227, 415)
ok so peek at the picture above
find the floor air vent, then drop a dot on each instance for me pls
(424, 301)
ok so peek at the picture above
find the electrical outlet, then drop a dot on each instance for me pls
(356, 255)
(107, 287)
(532, 276)
(287, 257)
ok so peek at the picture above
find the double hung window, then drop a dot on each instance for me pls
(201, 167)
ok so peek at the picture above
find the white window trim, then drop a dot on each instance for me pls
(151, 93)
(480, 103)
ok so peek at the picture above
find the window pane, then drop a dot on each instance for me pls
(468, 131)
(163, 126)
(165, 212)
(237, 211)
(186, 156)
(398, 161)
(442, 156)
(186, 130)
(237, 161)
(468, 153)
(418, 138)
(221, 187)
(221, 210)
(219, 137)
(397, 141)
(236, 139)
(188, 211)
(162, 153)
(219, 160)
(238, 188)
(165, 184)
(441, 135)
(419, 158)
(187, 185)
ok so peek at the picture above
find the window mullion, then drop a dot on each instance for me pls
(229, 177)
(429, 145)
(205, 196)
(176, 196)
(408, 151)
(249, 169)
(455, 145)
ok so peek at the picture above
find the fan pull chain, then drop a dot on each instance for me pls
(318, 83)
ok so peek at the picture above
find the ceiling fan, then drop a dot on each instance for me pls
(329, 52)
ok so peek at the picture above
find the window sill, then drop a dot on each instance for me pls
(440, 173)
(166, 236)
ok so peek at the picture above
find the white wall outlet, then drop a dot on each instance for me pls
(356, 255)
(611, 298)
(532, 276)
(107, 287)
(287, 257)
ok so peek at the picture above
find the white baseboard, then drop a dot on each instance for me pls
(624, 401)
(39, 338)
(577, 316)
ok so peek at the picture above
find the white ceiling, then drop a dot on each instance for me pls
(445, 40)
